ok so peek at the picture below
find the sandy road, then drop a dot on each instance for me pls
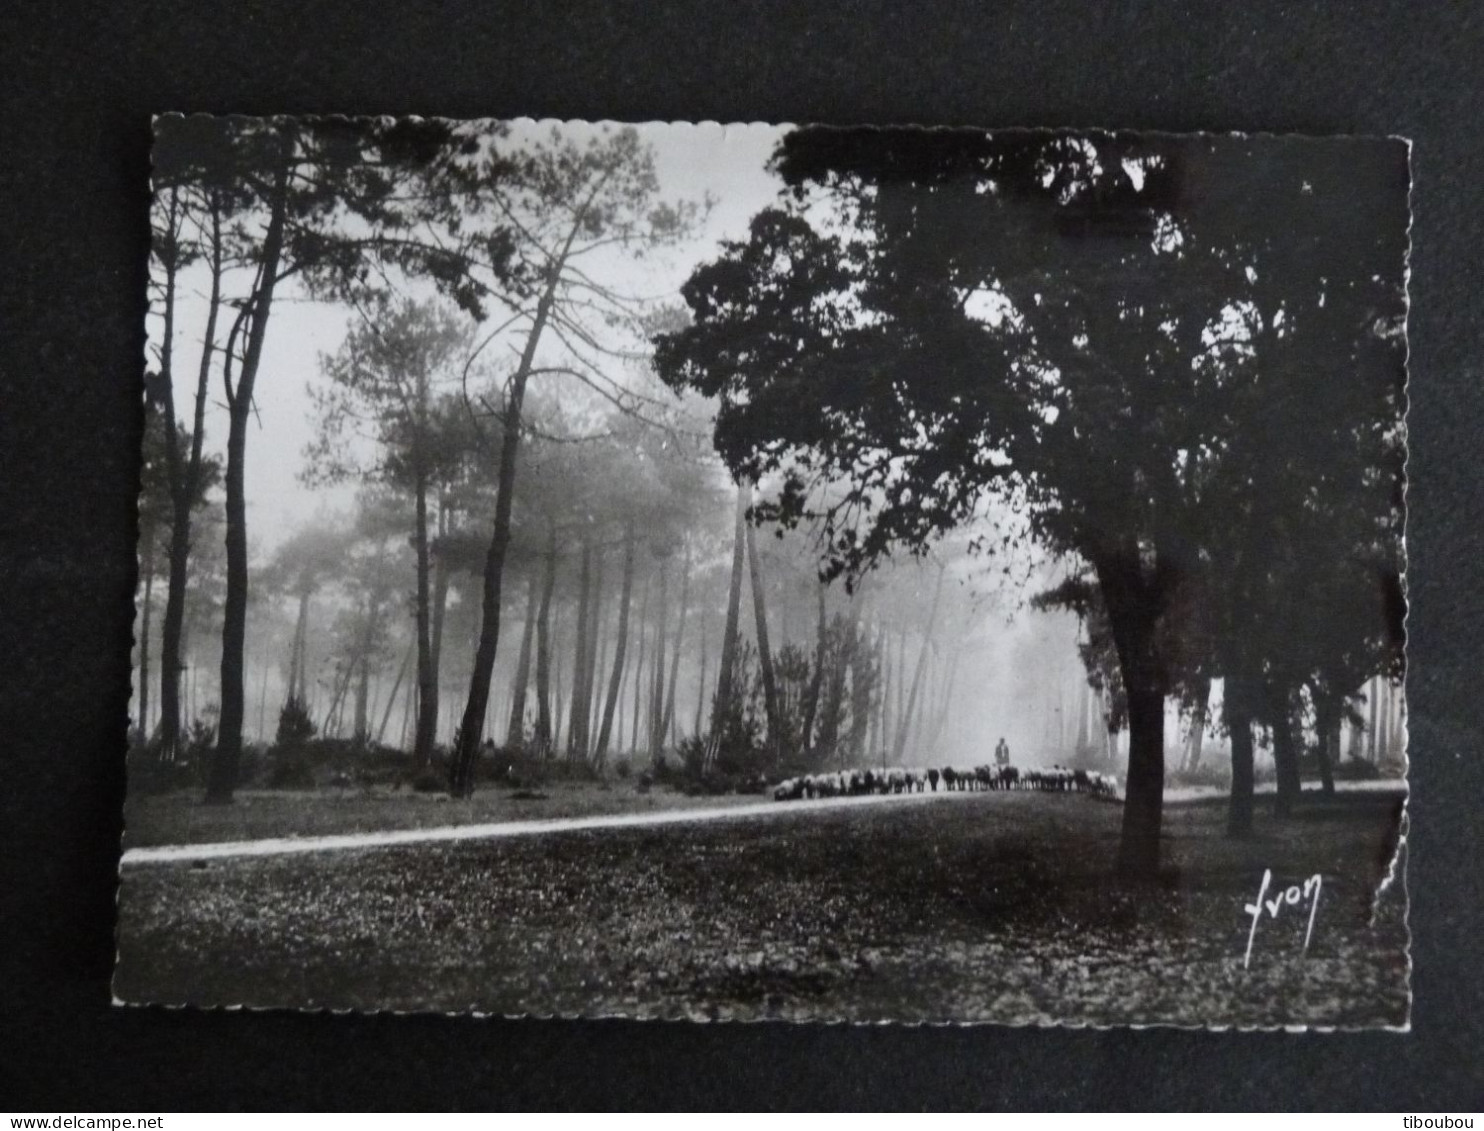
(284, 846)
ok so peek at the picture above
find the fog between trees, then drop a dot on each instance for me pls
(1071, 453)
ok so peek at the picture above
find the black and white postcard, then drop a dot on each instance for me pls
(768, 572)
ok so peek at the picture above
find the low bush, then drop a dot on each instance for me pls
(148, 775)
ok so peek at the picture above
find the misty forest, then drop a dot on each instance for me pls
(999, 534)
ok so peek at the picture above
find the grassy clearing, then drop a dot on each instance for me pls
(993, 908)
(181, 818)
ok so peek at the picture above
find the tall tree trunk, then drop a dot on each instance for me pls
(1285, 752)
(615, 678)
(665, 725)
(543, 739)
(1383, 737)
(304, 661)
(860, 695)
(333, 713)
(577, 709)
(657, 680)
(183, 492)
(515, 733)
(638, 702)
(811, 696)
(701, 685)
(362, 726)
(440, 597)
(764, 651)
(557, 690)
(296, 651)
(427, 673)
(592, 684)
(1198, 723)
(1134, 606)
(722, 705)
(391, 699)
(263, 702)
(494, 565)
(1326, 737)
(1373, 694)
(147, 540)
(943, 705)
(1237, 707)
(362, 729)
(222, 780)
(900, 746)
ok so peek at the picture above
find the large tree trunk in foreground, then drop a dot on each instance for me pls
(515, 732)
(1134, 604)
(183, 495)
(223, 777)
(616, 676)
(764, 649)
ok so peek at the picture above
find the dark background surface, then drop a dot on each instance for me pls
(78, 83)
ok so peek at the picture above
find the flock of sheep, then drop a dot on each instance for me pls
(908, 779)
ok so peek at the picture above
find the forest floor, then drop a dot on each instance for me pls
(992, 907)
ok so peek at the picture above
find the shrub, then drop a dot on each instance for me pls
(430, 780)
(290, 770)
(149, 775)
(294, 723)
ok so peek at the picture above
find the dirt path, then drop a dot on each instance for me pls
(282, 846)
